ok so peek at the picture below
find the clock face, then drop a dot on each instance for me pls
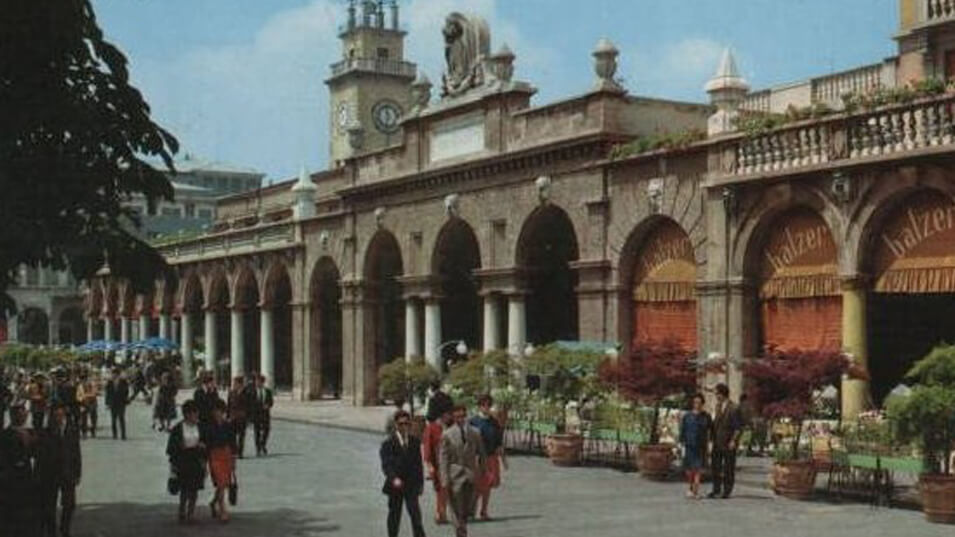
(343, 115)
(386, 115)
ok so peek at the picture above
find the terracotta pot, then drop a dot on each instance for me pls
(794, 479)
(653, 460)
(564, 449)
(938, 497)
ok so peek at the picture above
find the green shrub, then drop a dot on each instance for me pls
(400, 379)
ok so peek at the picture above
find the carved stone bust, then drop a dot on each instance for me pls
(467, 44)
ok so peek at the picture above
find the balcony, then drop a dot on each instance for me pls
(937, 10)
(374, 65)
(243, 241)
(922, 126)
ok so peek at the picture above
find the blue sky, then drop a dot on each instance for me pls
(242, 80)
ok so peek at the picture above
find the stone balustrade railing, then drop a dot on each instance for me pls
(939, 9)
(375, 65)
(830, 89)
(884, 131)
(258, 237)
(757, 101)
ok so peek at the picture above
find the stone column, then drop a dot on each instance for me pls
(492, 316)
(143, 326)
(186, 345)
(432, 332)
(108, 329)
(89, 328)
(124, 336)
(516, 325)
(237, 350)
(54, 330)
(267, 346)
(210, 341)
(174, 329)
(854, 392)
(412, 329)
(164, 325)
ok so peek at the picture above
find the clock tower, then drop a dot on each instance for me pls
(369, 89)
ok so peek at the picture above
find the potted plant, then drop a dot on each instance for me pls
(781, 385)
(652, 374)
(407, 380)
(566, 376)
(927, 416)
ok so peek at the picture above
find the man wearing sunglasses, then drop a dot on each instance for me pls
(404, 475)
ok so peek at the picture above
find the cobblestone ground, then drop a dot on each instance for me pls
(319, 481)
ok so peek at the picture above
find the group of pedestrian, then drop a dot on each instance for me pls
(719, 435)
(211, 436)
(463, 459)
(39, 466)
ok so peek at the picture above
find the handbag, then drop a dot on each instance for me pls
(172, 484)
(233, 489)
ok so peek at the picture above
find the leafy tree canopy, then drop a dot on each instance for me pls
(73, 139)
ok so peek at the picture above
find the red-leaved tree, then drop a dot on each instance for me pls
(651, 373)
(781, 383)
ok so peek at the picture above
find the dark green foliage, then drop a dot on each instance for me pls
(72, 140)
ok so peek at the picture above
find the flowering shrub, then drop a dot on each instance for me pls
(651, 374)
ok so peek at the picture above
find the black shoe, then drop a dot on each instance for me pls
(725, 495)
(714, 494)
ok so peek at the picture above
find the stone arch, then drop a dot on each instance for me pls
(277, 296)
(455, 257)
(792, 262)
(326, 329)
(658, 272)
(72, 328)
(546, 246)
(908, 250)
(96, 301)
(33, 326)
(245, 304)
(191, 293)
(385, 332)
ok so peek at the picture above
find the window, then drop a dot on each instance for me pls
(150, 209)
(172, 211)
(382, 53)
(190, 210)
(33, 276)
(205, 213)
(236, 184)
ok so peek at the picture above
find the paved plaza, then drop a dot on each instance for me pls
(326, 481)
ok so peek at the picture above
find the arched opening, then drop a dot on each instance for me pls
(281, 290)
(800, 299)
(246, 302)
(911, 258)
(219, 304)
(545, 249)
(192, 309)
(456, 256)
(659, 271)
(326, 319)
(33, 327)
(95, 307)
(383, 299)
(72, 329)
(114, 305)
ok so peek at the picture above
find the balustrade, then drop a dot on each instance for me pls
(939, 9)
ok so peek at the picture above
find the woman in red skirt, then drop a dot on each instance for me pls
(492, 434)
(219, 438)
(430, 447)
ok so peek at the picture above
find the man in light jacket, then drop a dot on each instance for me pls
(462, 462)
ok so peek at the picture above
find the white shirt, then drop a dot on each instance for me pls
(190, 435)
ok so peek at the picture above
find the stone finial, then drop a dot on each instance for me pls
(605, 66)
(727, 90)
(502, 65)
(304, 192)
(420, 93)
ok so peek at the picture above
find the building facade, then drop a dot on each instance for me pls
(604, 216)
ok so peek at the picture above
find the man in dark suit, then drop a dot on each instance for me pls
(262, 415)
(58, 471)
(726, 428)
(205, 397)
(117, 397)
(17, 502)
(404, 475)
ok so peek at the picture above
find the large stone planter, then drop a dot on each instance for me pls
(794, 479)
(938, 497)
(564, 449)
(653, 460)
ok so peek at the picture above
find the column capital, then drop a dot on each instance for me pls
(420, 286)
(500, 279)
(855, 282)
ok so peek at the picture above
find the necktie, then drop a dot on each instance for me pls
(464, 439)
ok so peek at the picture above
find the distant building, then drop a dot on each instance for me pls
(50, 303)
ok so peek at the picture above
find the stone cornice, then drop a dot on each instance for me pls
(593, 145)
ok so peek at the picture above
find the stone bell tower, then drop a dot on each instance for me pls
(370, 88)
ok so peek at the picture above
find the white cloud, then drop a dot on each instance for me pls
(264, 103)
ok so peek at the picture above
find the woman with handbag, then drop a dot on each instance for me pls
(186, 453)
(219, 438)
